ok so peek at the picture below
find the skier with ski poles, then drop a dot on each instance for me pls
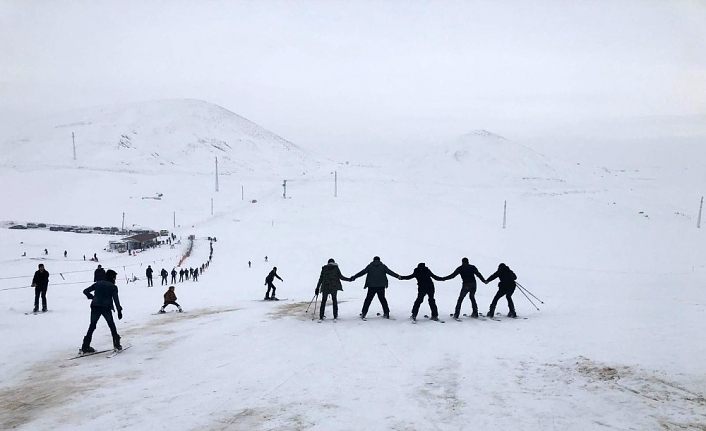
(506, 287)
(425, 287)
(376, 283)
(329, 284)
(105, 294)
(268, 281)
(468, 275)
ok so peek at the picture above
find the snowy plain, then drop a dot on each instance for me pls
(614, 254)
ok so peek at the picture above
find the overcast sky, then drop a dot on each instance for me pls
(343, 73)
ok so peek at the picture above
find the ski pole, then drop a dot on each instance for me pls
(528, 298)
(316, 300)
(525, 289)
(312, 300)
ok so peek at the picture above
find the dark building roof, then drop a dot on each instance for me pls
(142, 237)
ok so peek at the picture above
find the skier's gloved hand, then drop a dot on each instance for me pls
(89, 296)
(120, 314)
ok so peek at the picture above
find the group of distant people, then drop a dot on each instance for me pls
(376, 282)
(185, 274)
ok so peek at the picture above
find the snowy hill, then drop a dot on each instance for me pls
(158, 136)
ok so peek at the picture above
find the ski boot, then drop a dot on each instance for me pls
(474, 314)
(413, 317)
(490, 313)
(87, 349)
(362, 316)
(434, 318)
(161, 310)
(386, 316)
(35, 310)
(267, 297)
(512, 314)
(180, 310)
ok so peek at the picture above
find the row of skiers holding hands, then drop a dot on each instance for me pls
(376, 282)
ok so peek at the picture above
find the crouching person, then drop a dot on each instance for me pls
(170, 299)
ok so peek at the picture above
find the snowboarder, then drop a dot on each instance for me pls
(164, 275)
(181, 275)
(506, 287)
(376, 283)
(99, 274)
(268, 281)
(106, 293)
(425, 287)
(170, 298)
(329, 284)
(40, 282)
(148, 273)
(174, 273)
(468, 275)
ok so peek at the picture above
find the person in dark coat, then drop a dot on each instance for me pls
(99, 274)
(40, 282)
(268, 281)
(329, 284)
(425, 287)
(105, 293)
(148, 273)
(181, 275)
(195, 277)
(164, 275)
(468, 275)
(170, 299)
(506, 287)
(376, 283)
(174, 274)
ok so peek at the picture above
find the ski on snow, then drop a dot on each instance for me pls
(116, 352)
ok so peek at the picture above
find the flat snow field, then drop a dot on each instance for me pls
(618, 343)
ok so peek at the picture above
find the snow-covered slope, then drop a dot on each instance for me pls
(158, 136)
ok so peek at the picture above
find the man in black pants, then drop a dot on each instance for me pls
(40, 282)
(425, 287)
(106, 293)
(506, 287)
(376, 283)
(268, 281)
(468, 274)
(148, 273)
(329, 284)
(174, 273)
(164, 275)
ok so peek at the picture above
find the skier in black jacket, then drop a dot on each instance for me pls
(148, 273)
(174, 274)
(329, 284)
(164, 275)
(468, 275)
(425, 287)
(376, 283)
(40, 282)
(181, 274)
(99, 274)
(105, 294)
(506, 287)
(268, 281)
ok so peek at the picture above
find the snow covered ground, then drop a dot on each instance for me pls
(617, 259)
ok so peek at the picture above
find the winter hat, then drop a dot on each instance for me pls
(376, 258)
(331, 261)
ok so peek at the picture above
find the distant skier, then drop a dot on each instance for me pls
(174, 274)
(506, 287)
(265, 258)
(95, 257)
(181, 275)
(99, 274)
(148, 273)
(170, 299)
(164, 274)
(105, 294)
(376, 283)
(65, 253)
(46, 252)
(468, 275)
(269, 282)
(249, 264)
(195, 277)
(329, 284)
(40, 282)
(191, 272)
(425, 287)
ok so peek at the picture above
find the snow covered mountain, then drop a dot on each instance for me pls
(157, 136)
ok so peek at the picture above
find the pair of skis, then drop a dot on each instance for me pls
(113, 353)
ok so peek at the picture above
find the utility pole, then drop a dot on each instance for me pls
(335, 184)
(242, 193)
(701, 207)
(174, 218)
(122, 227)
(216, 173)
(73, 141)
(504, 214)
(211, 206)
(284, 187)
